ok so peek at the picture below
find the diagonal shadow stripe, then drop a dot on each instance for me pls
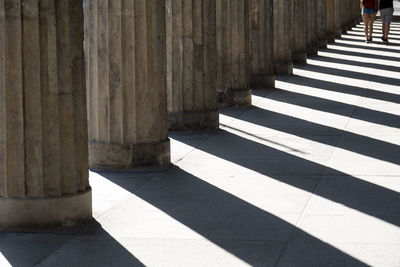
(331, 106)
(380, 49)
(356, 53)
(347, 89)
(358, 194)
(352, 74)
(255, 236)
(360, 144)
(90, 245)
(362, 36)
(357, 63)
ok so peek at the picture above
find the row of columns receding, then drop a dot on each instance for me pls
(119, 75)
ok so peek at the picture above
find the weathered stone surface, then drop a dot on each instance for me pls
(321, 26)
(283, 36)
(261, 44)
(191, 64)
(299, 40)
(233, 68)
(126, 80)
(312, 37)
(43, 129)
(330, 20)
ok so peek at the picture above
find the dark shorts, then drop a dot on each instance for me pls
(369, 11)
(387, 15)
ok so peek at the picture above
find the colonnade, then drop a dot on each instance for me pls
(148, 67)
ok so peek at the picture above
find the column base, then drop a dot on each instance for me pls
(330, 37)
(193, 121)
(312, 50)
(34, 214)
(299, 58)
(322, 43)
(104, 156)
(261, 81)
(284, 68)
(338, 33)
(234, 98)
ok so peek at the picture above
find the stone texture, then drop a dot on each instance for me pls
(321, 26)
(261, 44)
(233, 72)
(283, 36)
(330, 20)
(191, 65)
(299, 41)
(125, 64)
(312, 37)
(43, 130)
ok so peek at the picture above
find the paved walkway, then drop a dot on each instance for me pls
(309, 176)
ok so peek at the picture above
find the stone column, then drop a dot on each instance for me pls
(283, 36)
(330, 20)
(126, 80)
(338, 18)
(261, 48)
(312, 36)
(321, 22)
(299, 48)
(191, 65)
(43, 131)
(233, 72)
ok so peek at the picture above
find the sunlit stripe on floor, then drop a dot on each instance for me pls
(367, 51)
(377, 42)
(310, 151)
(355, 34)
(340, 97)
(354, 68)
(328, 119)
(121, 229)
(379, 87)
(332, 54)
(3, 261)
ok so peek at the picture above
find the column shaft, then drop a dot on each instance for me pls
(283, 36)
(191, 65)
(330, 20)
(126, 80)
(233, 72)
(43, 130)
(299, 45)
(321, 22)
(261, 47)
(312, 36)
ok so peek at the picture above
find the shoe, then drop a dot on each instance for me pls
(386, 42)
(383, 39)
(370, 39)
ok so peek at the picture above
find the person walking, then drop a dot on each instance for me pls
(368, 10)
(386, 9)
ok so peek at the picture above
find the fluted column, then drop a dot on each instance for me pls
(191, 65)
(43, 131)
(283, 36)
(261, 48)
(330, 20)
(126, 80)
(338, 17)
(321, 22)
(299, 41)
(233, 72)
(312, 36)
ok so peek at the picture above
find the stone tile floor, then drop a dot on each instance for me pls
(308, 176)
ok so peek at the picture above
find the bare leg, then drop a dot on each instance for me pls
(366, 23)
(371, 24)
(386, 30)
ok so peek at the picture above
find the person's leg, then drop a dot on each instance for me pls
(366, 23)
(386, 30)
(371, 25)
